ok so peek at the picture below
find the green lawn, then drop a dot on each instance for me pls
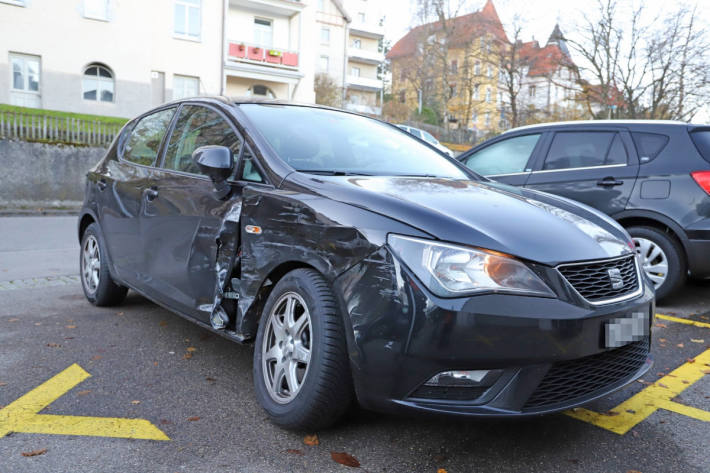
(70, 115)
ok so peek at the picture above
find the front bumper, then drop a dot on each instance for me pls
(402, 335)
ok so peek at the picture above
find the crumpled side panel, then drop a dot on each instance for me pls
(227, 254)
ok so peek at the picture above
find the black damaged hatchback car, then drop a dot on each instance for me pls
(363, 264)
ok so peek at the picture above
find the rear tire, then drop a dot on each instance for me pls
(320, 391)
(99, 288)
(663, 259)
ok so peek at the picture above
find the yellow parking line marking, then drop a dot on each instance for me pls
(659, 395)
(23, 415)
(682, 321)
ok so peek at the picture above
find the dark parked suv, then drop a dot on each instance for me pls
(653, 177)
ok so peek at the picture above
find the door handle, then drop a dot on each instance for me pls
(609, 182)
(101, 184)
(151, 193)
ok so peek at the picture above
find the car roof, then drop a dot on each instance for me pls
(596, 123)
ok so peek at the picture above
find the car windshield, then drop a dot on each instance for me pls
(330, 142)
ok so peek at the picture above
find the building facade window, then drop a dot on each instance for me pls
(96, 9)
(361, 17)
(490, 71)
(25, 72)
(488, 118)
(402, 96)
(477, 68)
(532, 91)
(321, 5)
(476, 92)
(263, 32)
(357, 44)
(488, 95)
(324, 63)
(261, 91)
(325, 35)
(98, 84)
(355, 71)
(185, 86)
(188, 19)
(474, 118)
(454, 66)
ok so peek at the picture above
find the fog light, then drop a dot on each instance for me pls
(474, 378)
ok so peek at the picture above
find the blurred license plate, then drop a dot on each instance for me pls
(618, 332)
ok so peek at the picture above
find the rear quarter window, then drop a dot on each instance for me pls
(701, 139)
(649, 145)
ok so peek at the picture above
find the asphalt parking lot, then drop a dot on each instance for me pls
(136, 388)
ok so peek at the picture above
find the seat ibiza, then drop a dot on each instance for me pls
(362, 264)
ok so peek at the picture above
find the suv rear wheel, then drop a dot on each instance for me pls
(301, 368)
(662, 259)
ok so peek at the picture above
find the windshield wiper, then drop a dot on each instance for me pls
(328, 172)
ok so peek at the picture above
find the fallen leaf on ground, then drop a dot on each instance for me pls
(34, 453)
(697, 340)
(3, 384)
(38, 324)
(193, 418)
(611, 413)
(658, 324)
(690, 360)
(187, 356)
(165, 421)
(14, 319)
(704, 371)
(191, 349)
(119, 313)
(311, 440)
(68, 338)
(345, 459)
(155, 363)
(70, 326)
(662, 340)
(84, 392)
(633, 471)
(211, 380)
(662, 385)
(294, 451)
(163, 323)
(680, 345)
(96, 357)
(54, 345)
(635, 434)
(441, 470)
(135, 402)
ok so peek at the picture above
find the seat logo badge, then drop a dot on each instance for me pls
(617, 282)
(253, 229)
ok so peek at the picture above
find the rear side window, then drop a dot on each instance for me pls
(143, 144)
(702, 142)
(198, 126)
(585, 149)
(649, 145)
(504, 157)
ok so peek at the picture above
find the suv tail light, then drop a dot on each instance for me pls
(703, 179)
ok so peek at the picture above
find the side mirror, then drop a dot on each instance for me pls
(217, 162)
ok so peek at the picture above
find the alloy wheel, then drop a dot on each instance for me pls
(653, 259)
(286, 349)
(91, 263)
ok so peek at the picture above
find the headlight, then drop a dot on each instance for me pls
(450, 270)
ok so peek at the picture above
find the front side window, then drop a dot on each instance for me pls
(185, 86)
(327, 141)
(143, 144)
(25, 72)
(582, 149)
(188, 18)
(98, 84)
(263, 32)
(96, 9)
(509, 156)
(195, 127)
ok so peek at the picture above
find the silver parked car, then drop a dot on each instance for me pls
(426, 136)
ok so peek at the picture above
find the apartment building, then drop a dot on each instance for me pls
(108, 57)
(332, 38)
(269, 51)
(362, 86)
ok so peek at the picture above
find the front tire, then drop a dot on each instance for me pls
(99, 287)
(301, 370)
(662, 259)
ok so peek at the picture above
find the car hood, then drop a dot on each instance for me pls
(528, 224)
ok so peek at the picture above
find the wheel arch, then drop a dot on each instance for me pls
(655, 220)
(86, 219)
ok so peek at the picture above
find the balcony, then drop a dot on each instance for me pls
(287, 8)
(364, 83)
(276, 58)
(367, 30)
(366, 56)
(366, 109)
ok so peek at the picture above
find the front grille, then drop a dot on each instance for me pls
(448, 393)
(593, 282)
(567, 381)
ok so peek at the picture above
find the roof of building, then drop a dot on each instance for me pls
(465, 30)
(544, 61)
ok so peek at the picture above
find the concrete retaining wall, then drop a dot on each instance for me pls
(38, 175)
